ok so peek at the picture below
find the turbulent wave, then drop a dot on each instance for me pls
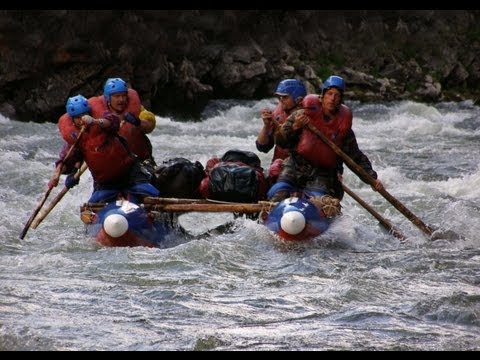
(228, 284)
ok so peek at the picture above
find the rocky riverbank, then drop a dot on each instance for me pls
(180, 59)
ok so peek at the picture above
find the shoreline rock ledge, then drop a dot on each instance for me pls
(178, 60)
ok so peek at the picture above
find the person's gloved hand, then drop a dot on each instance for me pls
(71, 181)
(132, 119)
(87, 119)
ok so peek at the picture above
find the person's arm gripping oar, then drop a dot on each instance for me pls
(370, 180)
(47, 193)
(57, 199)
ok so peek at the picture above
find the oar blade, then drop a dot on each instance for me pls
(34, 214)
(442, 234)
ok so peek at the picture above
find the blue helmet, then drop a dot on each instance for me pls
(112, 86)
(334, 81)
(77, 105)
(292, 87)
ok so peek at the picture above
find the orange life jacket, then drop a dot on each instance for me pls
(67, 128)
(99, 105)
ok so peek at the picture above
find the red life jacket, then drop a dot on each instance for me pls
(313, 149)
(133, 134)
(106, 157)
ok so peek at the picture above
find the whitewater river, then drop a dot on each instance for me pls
(354, 288)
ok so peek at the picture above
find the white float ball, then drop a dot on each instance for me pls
(115, 225)
(293, 222)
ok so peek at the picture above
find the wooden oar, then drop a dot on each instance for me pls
(35, 212)
(150, 200)
(159, 200)
(384, 222)
(246, 208)
(370, 180)
(74, 145)
(195, 205)
(57, 198)
(45, 196)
